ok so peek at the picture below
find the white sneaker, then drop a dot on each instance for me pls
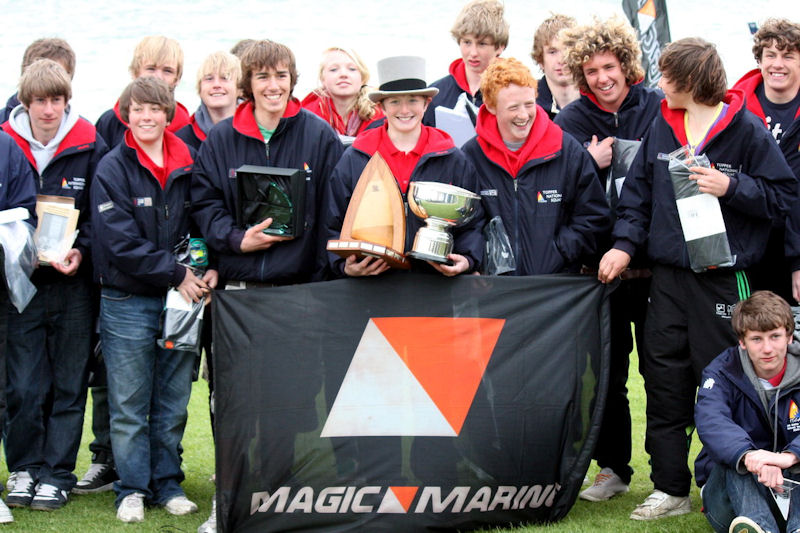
(131, 508)
(180, 505)
(210, 525)
(12, 479)
(606, 485)
(742, 524)
(6, 517)
(660, 504)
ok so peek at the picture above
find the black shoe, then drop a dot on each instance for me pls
(49, 498)
(99, 478)
(24, 491)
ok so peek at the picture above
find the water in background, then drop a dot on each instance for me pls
(103, 34)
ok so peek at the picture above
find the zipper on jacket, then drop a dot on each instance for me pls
(266, 148)
(516, 218)
(616, 120)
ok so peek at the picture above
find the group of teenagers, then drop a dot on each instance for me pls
(148, 175)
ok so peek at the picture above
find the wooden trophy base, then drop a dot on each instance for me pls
(345, 248)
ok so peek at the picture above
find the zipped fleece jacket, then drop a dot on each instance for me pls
(761, 187)
(441, 161)
(301, 141)
(69, 173)
(547, 193)
(733, 418)
(138, 223)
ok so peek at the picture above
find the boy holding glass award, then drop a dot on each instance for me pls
(679, 209)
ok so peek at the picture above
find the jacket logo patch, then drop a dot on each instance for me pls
(708, 383)
(143, 202)
(102, 208)
(489, 192)
(727, 169)
(308, 171)
(794, 417)
(548, 196)
(76, 183)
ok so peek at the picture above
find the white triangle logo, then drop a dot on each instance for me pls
(390, 504)
(381, 397)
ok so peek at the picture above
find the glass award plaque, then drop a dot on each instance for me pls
(271, 192)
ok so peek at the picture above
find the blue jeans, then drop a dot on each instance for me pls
(47, 358)
(148, 392)
(728, 494)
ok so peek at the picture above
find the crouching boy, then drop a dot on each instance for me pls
(747, 418)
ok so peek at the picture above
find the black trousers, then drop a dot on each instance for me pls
(687, 326)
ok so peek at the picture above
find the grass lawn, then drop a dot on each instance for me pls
(93, 513)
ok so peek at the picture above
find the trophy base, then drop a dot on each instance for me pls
(429, 257)
(368, 249)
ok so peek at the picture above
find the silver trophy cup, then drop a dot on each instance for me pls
(442, 206)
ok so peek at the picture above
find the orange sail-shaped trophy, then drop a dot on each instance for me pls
(375, 222)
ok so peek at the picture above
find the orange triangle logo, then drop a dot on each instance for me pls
(447, 355)
(404, 495)
(649, 9)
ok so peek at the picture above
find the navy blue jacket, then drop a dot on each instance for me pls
(17, 184)
(5, 112)
(544, 99)
(760, 189)
(790, 146)
(731, 419)
(441, 162)
(69, 173)
(191, 134)
(450, 88)
(551, 202)
(137, 224)
(585, 117)
(301, 141)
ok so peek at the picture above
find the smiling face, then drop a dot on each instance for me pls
(767, 350)
(147, 123)
(606, 80)
(271, 88)
(404, 112)
(515, 112)
(45, 113)
(477, 53)
(340, 76)
(553, 64)
(218, 91)
(781, 72)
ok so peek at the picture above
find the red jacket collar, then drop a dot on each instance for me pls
(81, 137)
(369, 141)
(674, 117)
(199, 133)
(176, 153)
(244, 120)
(544, 141)
(748, 85)
(459, 72)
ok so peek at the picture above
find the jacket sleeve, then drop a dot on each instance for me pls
(765, 186)
(468, 239)
(338, 192)
(634, 209)
(84, 241)
(20, 183)
(724, 440)
(589, 216)
(117, 232)
(209, 209)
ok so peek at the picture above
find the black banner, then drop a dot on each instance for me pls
(407, 402)
(649, 19)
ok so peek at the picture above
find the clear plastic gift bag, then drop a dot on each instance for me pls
(183, 323)
(16, 238)
(499, 255)
(700, 214)
(623, 153)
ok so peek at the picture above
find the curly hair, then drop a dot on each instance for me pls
(364, 107)
(482, 18)
(547, 31)
(614, 35)
(501, 73)
(692, 65)
(763, 311)
(781, 33)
